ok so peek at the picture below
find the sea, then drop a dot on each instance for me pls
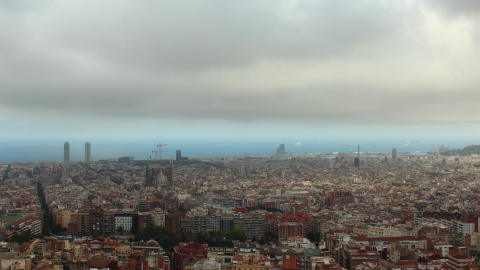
(25, 150)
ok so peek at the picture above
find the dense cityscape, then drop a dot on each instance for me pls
(239, 135)
(281, 211)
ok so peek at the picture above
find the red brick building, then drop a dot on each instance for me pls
(339, 198)
(175, 222)
(304, 219)
(290, 229)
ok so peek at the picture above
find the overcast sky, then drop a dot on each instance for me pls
(74, 69)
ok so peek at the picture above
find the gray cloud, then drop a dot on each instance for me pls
(206, 34)
(456, 8)
(324, 61)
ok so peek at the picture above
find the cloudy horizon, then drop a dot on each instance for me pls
(74, 69)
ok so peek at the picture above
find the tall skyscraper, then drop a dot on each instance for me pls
(394, 154)
(88, 156)
(178, 157)
(66, 152)
(356, 162)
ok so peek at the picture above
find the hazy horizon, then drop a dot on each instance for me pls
(186, 70)
(52, 150)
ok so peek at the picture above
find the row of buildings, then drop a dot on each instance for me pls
(410, 205)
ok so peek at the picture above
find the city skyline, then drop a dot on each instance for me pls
(254, 69)
(299, 134)
(107, 149)
(294, 204)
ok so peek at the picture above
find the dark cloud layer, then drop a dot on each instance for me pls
(371, 62)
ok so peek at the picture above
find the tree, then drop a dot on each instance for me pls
(47, 217)
(270, 237)
(57, 229)
(215, 236)
(23, 237)
(166, 238)
(262, 240)
(188, 237)
(236, 234)
(314, 237)
(182, 209)
(211, 236)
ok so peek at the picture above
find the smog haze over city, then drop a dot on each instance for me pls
(247, 134)
(220, 78)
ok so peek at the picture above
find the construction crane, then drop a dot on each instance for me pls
(159, 145)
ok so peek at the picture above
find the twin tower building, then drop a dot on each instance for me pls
(66, 152)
